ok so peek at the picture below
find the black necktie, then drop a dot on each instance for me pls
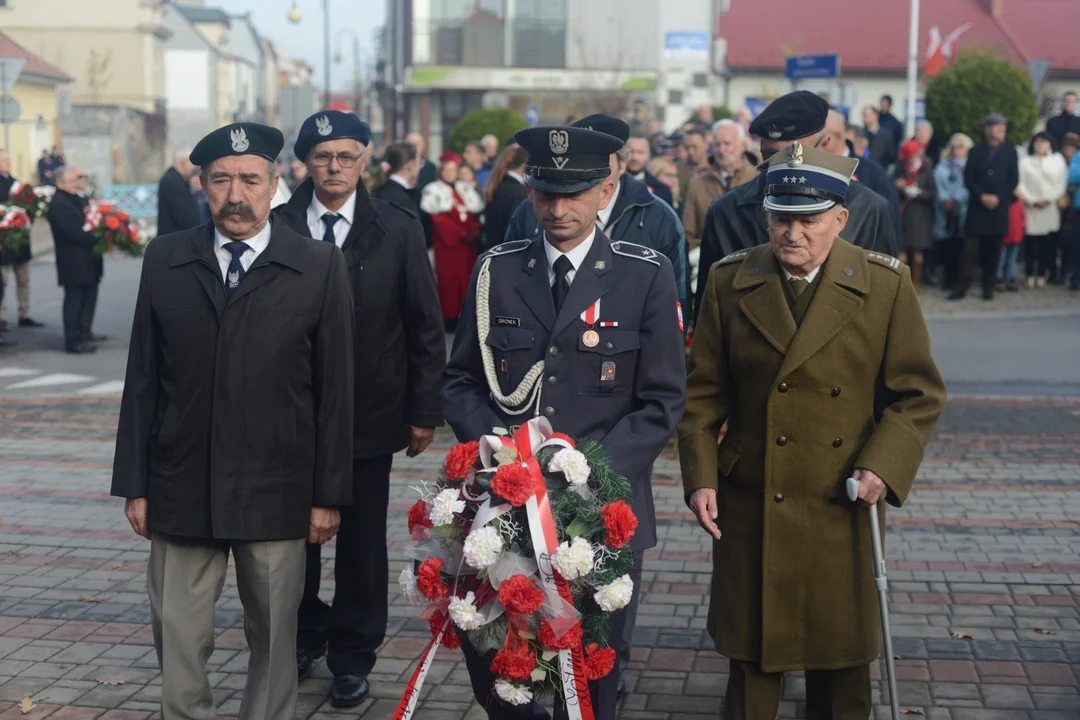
(329, 219)
(236, 270)
(559, 290)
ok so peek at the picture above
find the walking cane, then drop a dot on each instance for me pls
(882, 584)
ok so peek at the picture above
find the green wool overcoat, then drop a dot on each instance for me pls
(853, 386)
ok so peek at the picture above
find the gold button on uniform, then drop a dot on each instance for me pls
(782, 387)
(781, 441)
(837, 442)
(778, 498)
(836, 392)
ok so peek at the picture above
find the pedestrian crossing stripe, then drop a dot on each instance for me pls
(17, 372)
(51, 379)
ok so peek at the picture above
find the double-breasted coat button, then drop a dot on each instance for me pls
(836, 392)
(781, 441)
(609, 346)
(754, 271)
(782, 387)
(837, 442)
(553, 351)
(549, 411)
(849, 272)
(778, 498)
(552, 380)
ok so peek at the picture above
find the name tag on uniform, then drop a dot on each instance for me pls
(511, 321)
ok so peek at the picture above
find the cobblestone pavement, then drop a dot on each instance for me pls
(985, 579)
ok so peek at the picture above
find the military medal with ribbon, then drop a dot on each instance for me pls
(589, 316)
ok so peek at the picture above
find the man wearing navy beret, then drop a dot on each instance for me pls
(400, 353)
(236, 423)
(736, 220)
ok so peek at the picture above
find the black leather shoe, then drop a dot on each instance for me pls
(30, 322)
(348, 690)
(956, 295)
(306, 659)
(622, 686)
(82, 349)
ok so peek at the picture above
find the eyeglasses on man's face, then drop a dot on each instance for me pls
(345, 160)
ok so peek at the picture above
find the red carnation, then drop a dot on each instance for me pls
(122, 216)
(450, 640)
(429, 579)
(513, 665)
(513, 483)
(133, 234)
(519, 594)
(619, 522)
(461, 459)
(598, 661)
(418, 517)
(569, 640)
(112, 222)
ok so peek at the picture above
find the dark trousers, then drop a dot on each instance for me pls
(604, 693)
(80, 302)
(627, 641)
(354, 625)
(951, 251)
(1040, 255)
(830, 694)
(984, 251)
(1074, 258)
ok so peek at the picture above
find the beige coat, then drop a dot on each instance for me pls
(703, 189)
(793, 584)
(1042, 178)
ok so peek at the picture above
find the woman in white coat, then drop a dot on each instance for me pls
(1043, 180)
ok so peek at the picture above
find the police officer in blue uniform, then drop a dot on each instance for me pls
(577, 328)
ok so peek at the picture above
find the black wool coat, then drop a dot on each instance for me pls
(395, 194)
(177, 209)
(76, 262)
(400, 347)
(991, 173)
(498, 213)
(237, 415)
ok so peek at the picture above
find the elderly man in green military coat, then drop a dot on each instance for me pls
(816, 353)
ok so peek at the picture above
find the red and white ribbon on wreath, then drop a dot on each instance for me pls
(407, 705)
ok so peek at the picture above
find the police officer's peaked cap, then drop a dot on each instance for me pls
(238, 139)
(804, 180)
(791, 117)
(330, 125)
(566, 159)
(606, 124)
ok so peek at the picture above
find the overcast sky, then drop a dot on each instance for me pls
(305, 40)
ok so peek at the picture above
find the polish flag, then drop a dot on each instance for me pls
(939, 51)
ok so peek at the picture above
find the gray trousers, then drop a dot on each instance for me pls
(185, 580)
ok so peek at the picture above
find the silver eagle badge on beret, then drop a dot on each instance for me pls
(559, 141)
(239, 140)
(322, 124)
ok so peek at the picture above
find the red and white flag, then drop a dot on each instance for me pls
(942, 51)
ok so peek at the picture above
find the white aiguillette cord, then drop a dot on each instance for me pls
(527, 394)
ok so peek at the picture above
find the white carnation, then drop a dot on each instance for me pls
(443, 507)
(482, 547)
(615, 595)
(513, 693)
(574, 560)
(464, 613)
(572, 464)
(407, 581)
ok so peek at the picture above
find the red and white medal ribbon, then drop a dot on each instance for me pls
(590, 314)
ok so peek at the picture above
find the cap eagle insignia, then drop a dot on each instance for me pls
(239, 140)
(322, 124)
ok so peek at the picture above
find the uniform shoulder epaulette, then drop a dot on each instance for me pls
(886, 260)
(639, 252)
(509, 247)
(733, 257)
(408, 211)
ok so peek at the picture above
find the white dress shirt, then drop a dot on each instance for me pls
(317, 227)
(224, 257)
(516, 175)
(576, 256)
(396, 178)
(808, 278)
(604, 215)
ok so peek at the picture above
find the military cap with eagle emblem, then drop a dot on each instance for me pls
(330, 125)
(791, 117)
(804, 180)
(238, 139)
(566, 160)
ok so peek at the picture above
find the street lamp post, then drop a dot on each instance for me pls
(295, 16)
(357, 89)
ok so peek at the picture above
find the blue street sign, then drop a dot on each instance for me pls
(532, 116)
(755, 105)
(801, 67)
(686, 42)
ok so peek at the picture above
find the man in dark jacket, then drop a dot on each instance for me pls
(400, 354)
(991, 176)
(633, 215)
(78, 267)
(177, 209)
(235, 428)
(1066, 122)
(736, 220)
(884, 147)
(504, 198)
(889, 121)
(638, 157)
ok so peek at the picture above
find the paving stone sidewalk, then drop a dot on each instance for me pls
(987, 549)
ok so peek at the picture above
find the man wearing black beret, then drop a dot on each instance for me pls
(235, 428)
(736, 221)
(633, 214)
(400, 353)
